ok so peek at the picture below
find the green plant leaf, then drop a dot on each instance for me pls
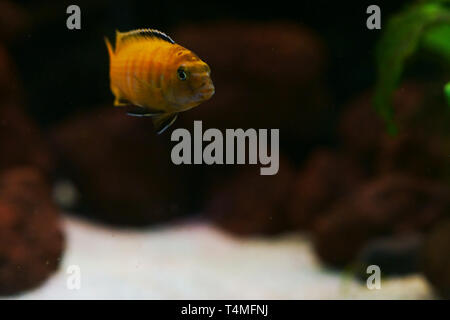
(400, 41)
(437, 39)
(447, 93)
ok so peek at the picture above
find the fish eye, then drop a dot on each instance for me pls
(182, 75)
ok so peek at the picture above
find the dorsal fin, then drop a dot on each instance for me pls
(123, 37)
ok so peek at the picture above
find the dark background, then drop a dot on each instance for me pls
(65, 70)
(366, 197)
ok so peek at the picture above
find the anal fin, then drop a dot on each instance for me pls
(164, 121)
(121, 102)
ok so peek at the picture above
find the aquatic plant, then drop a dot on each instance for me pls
(424, 25)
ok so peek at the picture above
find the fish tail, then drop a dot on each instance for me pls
(110, 49)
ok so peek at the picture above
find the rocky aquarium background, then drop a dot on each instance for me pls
(364, 196)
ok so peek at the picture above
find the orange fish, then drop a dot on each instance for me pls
(159, 77)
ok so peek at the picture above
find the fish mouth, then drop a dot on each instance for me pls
(206, 92)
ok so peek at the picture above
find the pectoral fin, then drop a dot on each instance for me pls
(163, 121)
(137, 111)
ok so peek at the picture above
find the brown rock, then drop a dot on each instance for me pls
(31, 240)
(13, 20)
(122, 167)
(392, 204)
(267, 75)
(21, 142)
(326, 177)
(247, 203)
(362, 129)
(423, 146)
(418, 153)
(9, 84)
(436, 258)
(274, 53)
(340, 236)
